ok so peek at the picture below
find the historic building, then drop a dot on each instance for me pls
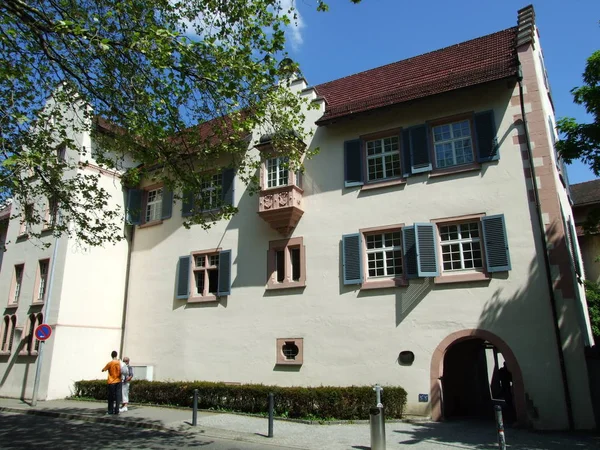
(423, 246)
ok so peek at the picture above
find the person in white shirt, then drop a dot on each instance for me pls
(126, 376)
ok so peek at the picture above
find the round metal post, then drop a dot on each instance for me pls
(377, 425)
(195, 408)
(271, 409)
(500, 427)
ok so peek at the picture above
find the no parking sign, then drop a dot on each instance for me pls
(43, 332)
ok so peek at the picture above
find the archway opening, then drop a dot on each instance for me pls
(474, 379)
(471, 370)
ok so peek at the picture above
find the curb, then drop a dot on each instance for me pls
(101, 419)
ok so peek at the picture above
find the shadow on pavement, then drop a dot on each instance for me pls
(16, 431)
(483, 435)
(98, 414)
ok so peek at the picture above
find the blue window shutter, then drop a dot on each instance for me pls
(426, 245)
(574, 249)
(187, 205)
(227, 186)
(419, 149)
(224, 282)
(495, 243)
(410, 251)
(353, 163)
(352, 260)
(183, 277)
(134, 206)
(406, 163)
(167, 204)
(487, 142)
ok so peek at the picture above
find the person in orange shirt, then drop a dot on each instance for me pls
(114, 384)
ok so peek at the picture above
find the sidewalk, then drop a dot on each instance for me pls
(419, 435)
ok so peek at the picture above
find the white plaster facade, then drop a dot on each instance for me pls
(351, 335)
(84, 305)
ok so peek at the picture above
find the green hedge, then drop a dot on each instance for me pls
(319, 403)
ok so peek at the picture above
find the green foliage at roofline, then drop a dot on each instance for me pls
(156, 72)
(582, 140)
(316, 403)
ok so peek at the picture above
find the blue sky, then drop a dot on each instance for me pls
(352, 38)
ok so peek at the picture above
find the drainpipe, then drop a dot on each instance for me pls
(40, 358)
(561, 357)
(126, 290)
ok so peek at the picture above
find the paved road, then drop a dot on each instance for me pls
(27, 431)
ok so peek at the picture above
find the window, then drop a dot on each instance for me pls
(461, 247)
(383, 158)
(211, 195)
(9, 324)
(471, 247)
(61, 152)
(153, 205)
(204, 275)
(41, 286)
(215, 191)
(26, 215)
(33, 345)
(290, 351)
(17, 284)
(51, 213)
(149, 206)
(277, 172)
(286, 264)
(384, 254)
(452, 143)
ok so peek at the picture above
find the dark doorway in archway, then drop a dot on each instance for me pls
(469, 378)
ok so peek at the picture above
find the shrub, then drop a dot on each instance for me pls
(592, 293)
(320, 403)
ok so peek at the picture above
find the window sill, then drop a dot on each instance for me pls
(284, 285)
(382, 284)
(4, 353)
(12, 305)
(456, 169)
(462, 278)
(280, 188)
(150, 224)
(288, 363)
(382, 184)
(28, 353)
(203, 299)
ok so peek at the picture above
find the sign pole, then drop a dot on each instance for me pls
(38, 367)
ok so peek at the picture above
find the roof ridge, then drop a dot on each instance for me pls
(418, 56)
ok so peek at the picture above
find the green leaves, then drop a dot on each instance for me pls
(582, 140)
(174, 89)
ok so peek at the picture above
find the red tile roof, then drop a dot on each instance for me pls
(488, 58)
(585, 193)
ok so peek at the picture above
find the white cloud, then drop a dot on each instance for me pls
(296, 26)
